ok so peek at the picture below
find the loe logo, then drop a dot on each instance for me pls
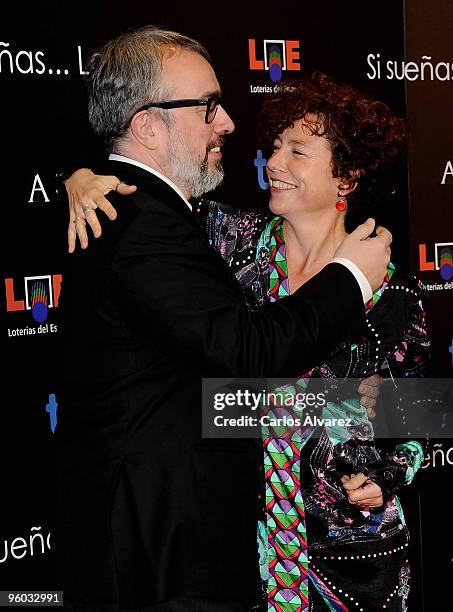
(443, 259)
(274, 56)
(38, 294)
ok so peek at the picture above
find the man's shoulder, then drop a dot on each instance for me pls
(141, 203)
(155, 195)
(146, 214)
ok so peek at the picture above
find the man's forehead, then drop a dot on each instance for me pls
(188, 74)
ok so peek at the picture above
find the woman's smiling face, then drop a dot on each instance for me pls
(300, 172)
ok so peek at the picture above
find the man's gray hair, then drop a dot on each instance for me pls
(125, 74)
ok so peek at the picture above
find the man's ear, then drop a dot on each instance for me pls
(143, 129)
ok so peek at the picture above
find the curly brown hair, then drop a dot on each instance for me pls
(366, 139)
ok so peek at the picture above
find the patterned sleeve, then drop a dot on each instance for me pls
(397, 468)
(233, 232)
(410, 359)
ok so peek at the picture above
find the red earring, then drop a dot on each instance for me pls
(341, 205)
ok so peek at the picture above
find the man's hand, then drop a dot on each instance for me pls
(369, 390)
(362, 492)
(86, 192)
(371, 255)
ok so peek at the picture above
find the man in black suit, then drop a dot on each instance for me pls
(151, 516)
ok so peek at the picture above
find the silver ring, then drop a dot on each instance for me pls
(117, 185)
(86, 208)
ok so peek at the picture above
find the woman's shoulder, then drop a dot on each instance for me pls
(398, 282)
(206, 207)
(230, 229)
(401, 278)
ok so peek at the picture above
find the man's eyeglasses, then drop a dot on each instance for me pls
(212, 103)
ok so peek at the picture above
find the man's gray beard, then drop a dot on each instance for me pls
(192, 176)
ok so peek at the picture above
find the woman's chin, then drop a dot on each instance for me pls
(275, 208)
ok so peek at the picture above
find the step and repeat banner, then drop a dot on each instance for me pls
(428, 73)
(400, 54)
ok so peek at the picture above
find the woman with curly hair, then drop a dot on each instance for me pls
(333, 534)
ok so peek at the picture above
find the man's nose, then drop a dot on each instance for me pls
(223, 122)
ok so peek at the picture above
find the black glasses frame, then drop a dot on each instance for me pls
(208, 102)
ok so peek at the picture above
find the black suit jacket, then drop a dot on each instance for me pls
(148, 509)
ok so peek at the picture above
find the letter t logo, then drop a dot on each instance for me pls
(260, 162)
(51, 408)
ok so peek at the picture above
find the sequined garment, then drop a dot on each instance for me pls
(351, 560)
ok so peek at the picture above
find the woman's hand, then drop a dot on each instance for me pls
(369, 390)
(86, 192)
(362, 491)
